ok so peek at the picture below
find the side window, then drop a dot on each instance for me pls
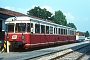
(37, 28)
(28, 27)
(72, 32)
(54, 30)
(68, 32)
(59, 30)
(31, 26)
(64, 31)
(42, 29)
(51, 30)
(47, 29)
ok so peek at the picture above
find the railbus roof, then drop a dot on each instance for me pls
(16, 18)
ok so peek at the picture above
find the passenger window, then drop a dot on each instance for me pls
(51, 30)
(54, 30)
(58, 30)
(37, 28)
(31, 26)
(28, 27)
(47, 29)
(61, 31)
(64, 31)
(42, 29)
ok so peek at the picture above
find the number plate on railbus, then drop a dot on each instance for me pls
(14, 36)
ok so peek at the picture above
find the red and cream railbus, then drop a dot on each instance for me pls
(30, 32)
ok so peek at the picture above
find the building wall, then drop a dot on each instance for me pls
(3, 24)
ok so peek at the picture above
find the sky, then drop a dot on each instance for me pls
(76, 11)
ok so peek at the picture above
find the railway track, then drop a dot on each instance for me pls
(67, 54)
(74, 55)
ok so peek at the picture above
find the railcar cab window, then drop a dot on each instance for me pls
(20, 27)
(10, 27)
(37, 28)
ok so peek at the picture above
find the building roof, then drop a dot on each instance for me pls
(11, 13)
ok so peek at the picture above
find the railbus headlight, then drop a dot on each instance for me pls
(22, 36)
(7, 36)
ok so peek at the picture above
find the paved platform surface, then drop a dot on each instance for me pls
(25, 55)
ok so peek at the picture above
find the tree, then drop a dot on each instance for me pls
(41, 13)
(71, 25)
(59, 18)
(86, 34)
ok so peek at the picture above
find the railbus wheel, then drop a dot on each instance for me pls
(12, 46)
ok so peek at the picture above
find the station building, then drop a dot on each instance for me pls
(4, 14)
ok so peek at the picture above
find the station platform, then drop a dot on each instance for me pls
(29, 54)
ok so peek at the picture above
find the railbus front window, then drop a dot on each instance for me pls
(10, 27)
(20, 27)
